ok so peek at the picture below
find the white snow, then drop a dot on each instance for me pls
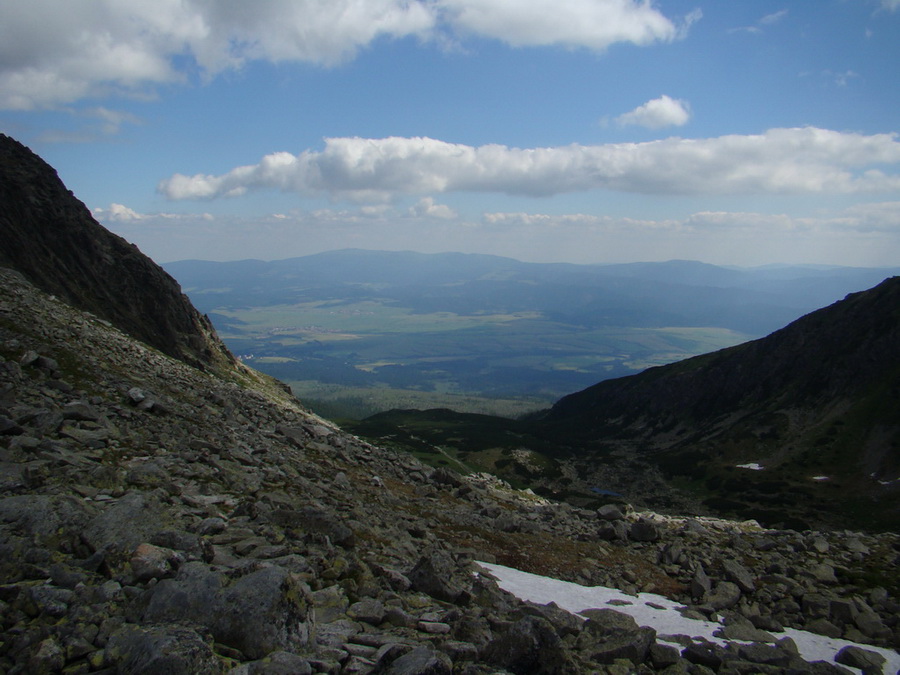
(821, 478)
(753, 465)
(657, 612)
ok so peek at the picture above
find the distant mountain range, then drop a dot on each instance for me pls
(674, 293)
(376, 330)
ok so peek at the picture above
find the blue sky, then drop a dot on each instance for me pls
(742, 133)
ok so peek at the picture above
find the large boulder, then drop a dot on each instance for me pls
(260, 612)
(173, 650)
(609, 635)
(435, 574)
(529, 646)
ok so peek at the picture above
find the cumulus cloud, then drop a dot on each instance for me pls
(54, 53)
(117, 213)
(779, 161)
(576, 23)
(427, 208)
(658, 113)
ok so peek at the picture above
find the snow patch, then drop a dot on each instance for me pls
(753, 466)
(657, 612)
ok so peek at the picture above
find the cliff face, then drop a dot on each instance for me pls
(49, 236)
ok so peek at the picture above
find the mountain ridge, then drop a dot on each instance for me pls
(52, 238)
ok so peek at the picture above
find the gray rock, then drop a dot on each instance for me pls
(842, 611)
(824, 627)
(173, 650)
(706, 654)
(276, 663)
(49, 601)
(739, 574)
(816, 606)
(315, 520)
(420, 661)
(330, 604)
(260, 612)
(50, 657)
(529, 645)
(132, 520)
(616, 530)
(700, 583)
(644, 530)
(435, 574)
(368, 610)
(772, 655)
(48, 520)
(823, 574)
(609, 635)
(154, 562)
(610, 512)
(871, 663)
(724, 596)
(80, 411)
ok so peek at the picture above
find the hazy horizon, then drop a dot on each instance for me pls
(564, 262)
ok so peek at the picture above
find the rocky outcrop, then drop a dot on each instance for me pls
(50, 236)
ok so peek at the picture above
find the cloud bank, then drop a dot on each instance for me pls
(53, 53)
(780, 161)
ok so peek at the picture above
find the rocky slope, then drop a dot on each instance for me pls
(50, 237)
(160, 518)
(155, 518)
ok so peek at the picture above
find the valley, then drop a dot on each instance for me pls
(355, 333)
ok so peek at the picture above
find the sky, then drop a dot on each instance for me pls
(584, 131)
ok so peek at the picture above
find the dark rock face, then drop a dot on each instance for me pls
(50, 236)
(818, 398)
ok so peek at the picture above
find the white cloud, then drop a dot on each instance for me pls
(767, 20)
(779, 161)
(54, 53)
(773, 18)
(427, 208)
(118, 213)
(575, 23)
(867, 217)
(890, 5)
(658, 113)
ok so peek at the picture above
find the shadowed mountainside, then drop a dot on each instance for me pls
(805, 421)
(50, 236)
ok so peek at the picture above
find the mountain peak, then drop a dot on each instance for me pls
(51, 238)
